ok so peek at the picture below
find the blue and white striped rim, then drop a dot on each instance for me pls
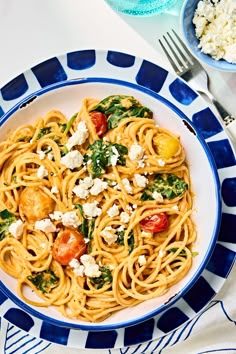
(158, 82)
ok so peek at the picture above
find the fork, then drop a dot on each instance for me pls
(189, 69)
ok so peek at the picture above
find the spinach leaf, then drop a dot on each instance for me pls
(183, 253)
(120, 239)
(100, 154)
(118, 107)
(62, 126)
(6, 214)
(169, 185)
(4, 228)
(104, 278)
(8, 218)
(90, 234)
(84, 228)
(44, 281)
(69, 124)
(43, 131)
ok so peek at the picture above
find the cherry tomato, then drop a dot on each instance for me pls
(155, 223)
(69, 244)
(100, 122)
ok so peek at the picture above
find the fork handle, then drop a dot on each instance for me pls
(227, 118)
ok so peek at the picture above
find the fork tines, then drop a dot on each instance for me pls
(177, 53)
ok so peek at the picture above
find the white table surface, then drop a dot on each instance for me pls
(32, 31)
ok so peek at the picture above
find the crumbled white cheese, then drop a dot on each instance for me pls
(129, 208)
(142, 260)
(41, 154)
(45, 225)
(91, 209)
(113, 211)
(161, 253)
(215, 27)
(81, 191)
(115, 156)
(127, 185)
(157, 196)
(70, 218)
(73, 159)
(77, 267)
(42, 172)
(175, 207)
(109, 235)
(136, 152)
(124, 217)
(57, 215)
(91, 268)
(16, 228)
(50, 156)
(79, 137)
(54, 190)
(140, 180)
(98, 186)
(121, 228)
(161, 162)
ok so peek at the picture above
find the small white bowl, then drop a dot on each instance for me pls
(188, 30)
(67, 96)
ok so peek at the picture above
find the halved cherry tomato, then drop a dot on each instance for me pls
(155, 223)
(100, 122)
(69, 244)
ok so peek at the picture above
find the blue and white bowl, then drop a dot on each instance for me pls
(188, 32)
(67, 96)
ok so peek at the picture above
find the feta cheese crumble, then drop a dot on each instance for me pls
(70, 218)
(77, 267)
(113, 211)
(142, 260)
(16, 228)
(140, 180)
(57, 215)
(124, 217)
(54, 190)
(157, 196)
(45, 225)
(127, 185)
(41, 154)
(79, 137)
(91, 209)
(115, 156)
(42, 172)
(108, 233)
(72, 160)
(91, 268)
(136, 152)
(215, 27)
(98, 186)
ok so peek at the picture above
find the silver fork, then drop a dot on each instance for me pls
(190, 70)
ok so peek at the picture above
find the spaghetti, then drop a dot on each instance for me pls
(95, 211)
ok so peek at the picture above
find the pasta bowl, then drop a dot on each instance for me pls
(145, 241)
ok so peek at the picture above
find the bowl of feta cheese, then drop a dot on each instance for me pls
(209, 30)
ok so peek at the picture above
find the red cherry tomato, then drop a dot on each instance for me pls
(155, 223)
(69, 244)
(100, 122)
